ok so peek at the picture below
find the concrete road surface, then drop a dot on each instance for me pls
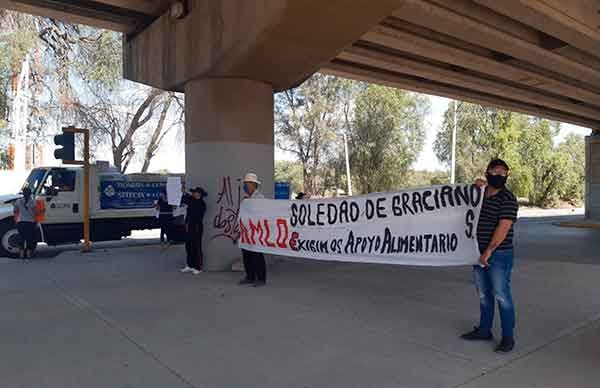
(125, 317)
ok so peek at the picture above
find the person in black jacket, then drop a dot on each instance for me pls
(165, 217)
(196, 208)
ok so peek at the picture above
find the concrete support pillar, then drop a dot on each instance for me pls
(592, 177)
(228, 132)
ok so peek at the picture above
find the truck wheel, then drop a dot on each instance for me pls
(9, 240)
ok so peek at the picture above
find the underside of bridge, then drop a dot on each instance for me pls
(475, 51)
(540, 57)
(540, 61)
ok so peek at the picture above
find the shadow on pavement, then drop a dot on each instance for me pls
(45, 252)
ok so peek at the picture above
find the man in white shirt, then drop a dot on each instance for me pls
(254, 262)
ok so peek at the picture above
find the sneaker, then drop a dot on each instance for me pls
(506, 345)
(259, 284)
(186, 269)
(196, 271)
(477, 335)
(245, 282)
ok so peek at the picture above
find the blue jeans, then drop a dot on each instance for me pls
(493, 283)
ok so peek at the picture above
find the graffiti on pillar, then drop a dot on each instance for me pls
(225, 222)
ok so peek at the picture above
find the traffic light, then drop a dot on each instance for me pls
(67, 141)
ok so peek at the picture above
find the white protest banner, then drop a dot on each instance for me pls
(174, 190)
(434, 226)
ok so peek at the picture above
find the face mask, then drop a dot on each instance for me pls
(246, 190)
(496, 181)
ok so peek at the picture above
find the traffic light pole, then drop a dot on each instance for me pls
(86, 183)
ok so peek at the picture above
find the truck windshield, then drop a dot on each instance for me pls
(35, 179)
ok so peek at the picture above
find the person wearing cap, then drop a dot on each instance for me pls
(194, 227)
(254, 262)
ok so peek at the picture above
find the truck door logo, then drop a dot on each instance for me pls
(109, 191)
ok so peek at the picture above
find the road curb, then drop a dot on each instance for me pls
(580, 224)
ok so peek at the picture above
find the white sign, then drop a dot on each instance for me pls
(174, 190)
(433, 226)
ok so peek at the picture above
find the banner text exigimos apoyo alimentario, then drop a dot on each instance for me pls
(431, 226)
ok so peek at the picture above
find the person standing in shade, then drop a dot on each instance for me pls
(185, 200)
(165, 217)
(24, 211)
(194, 218)
(493, 274)
(254, 262)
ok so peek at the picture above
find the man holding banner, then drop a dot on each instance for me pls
(433, 226)
(493, 274)
(254, 262)
(437, 226)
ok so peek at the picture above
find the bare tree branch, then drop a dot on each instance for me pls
(156, 134)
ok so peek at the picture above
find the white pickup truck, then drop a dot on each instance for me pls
(119, 203)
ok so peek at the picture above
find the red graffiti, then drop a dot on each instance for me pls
(228, 209)
(262, 232)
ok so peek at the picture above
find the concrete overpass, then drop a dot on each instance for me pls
(540, 57)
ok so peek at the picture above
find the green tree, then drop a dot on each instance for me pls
(572, 150)
(307, 124)
(386, 137)
(19, 39)
(480, 131)
(544, 167)
(5, 84)
(427, 178)
(289, 171)
(98, 58)
(4, 149)
(134, 120)
(76, 79)
(118, 118)
(540, 171)
(484, 133)
(4, 159)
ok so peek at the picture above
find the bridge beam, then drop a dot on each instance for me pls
(281, 43)
(117, 15)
